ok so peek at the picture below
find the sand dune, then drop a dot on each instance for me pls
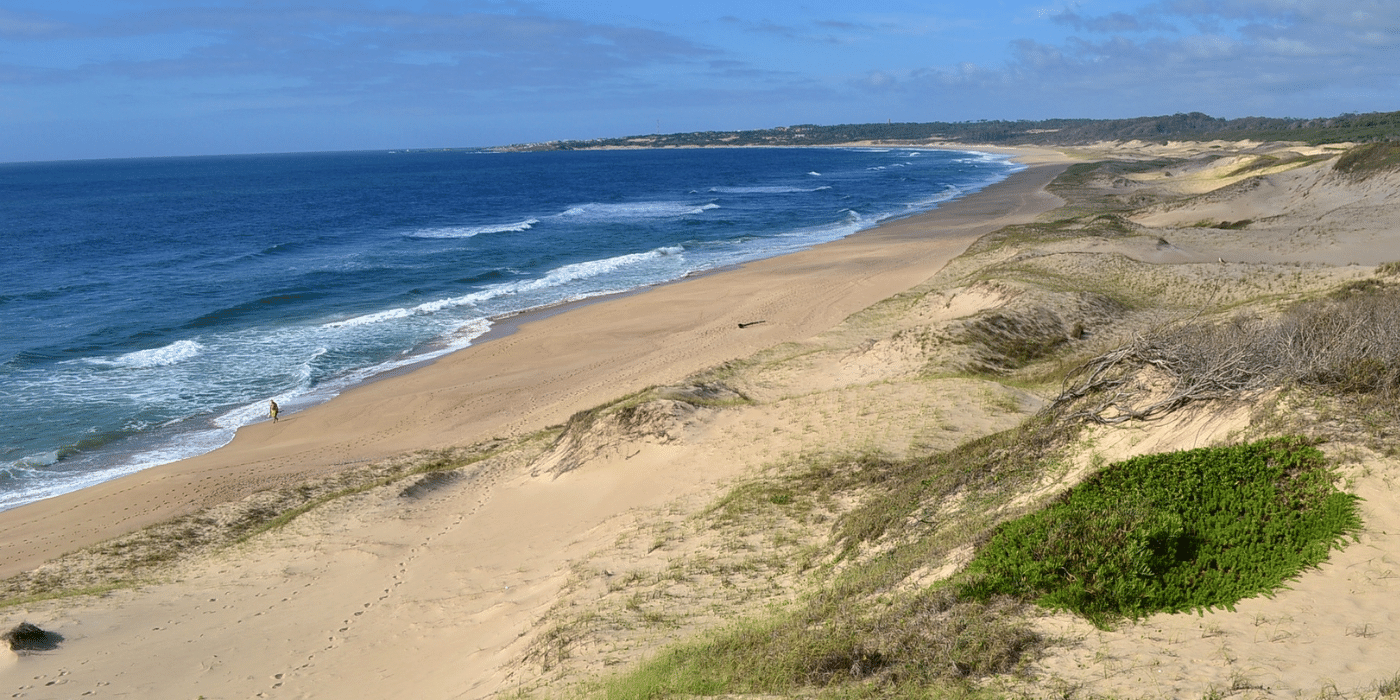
(379, 596)
(450, 584)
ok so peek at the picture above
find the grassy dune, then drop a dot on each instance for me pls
(948, 472)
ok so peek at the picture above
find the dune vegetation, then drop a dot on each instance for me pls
(1170, 398)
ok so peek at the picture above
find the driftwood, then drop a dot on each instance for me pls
(1346, 344)
(1115, 387)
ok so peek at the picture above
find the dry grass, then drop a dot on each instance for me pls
(1348, 343)
(1369, 159)
(151, 553)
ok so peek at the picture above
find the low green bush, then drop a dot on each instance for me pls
(1172, 532)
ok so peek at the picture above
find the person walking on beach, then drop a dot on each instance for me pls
(272, 410)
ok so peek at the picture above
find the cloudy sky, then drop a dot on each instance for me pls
(116, 78)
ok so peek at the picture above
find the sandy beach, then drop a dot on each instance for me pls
(593, 536)
(539, 375)
(504, 551)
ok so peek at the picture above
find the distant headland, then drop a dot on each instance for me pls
(1195, 126)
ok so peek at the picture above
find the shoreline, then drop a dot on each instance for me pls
(508, 323)
(565, 558)
(190, 437)
(538, 367)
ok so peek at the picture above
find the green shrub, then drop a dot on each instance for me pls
(1369, 159)
(1172, 532)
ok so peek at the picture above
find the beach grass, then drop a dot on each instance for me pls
(1368, 159)
(845, 636)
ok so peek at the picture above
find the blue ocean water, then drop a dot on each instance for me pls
(149, 308)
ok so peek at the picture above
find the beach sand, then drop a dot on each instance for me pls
(452, 588)
(427, 599)
(539, 375)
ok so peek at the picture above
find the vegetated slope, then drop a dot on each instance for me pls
(883, 609)
(1195, 126)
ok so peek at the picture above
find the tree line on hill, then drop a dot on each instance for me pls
(1375, 126)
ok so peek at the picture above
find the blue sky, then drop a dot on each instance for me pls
(122, 78)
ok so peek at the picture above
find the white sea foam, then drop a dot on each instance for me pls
(553, 278)
(982, 157)
(462, 337)
(574, 272)
(854, 222)
(306, 372)
(469, 231)
(200, 392)
(634, 210)
(42, 459)
(768, 189)
(949, 192)
(367, 319)
(594, 268)
(174, 353)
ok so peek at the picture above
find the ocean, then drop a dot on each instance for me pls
(151, 307)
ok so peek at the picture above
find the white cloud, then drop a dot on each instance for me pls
(1226, 57)
(342, 47)
(14, 25)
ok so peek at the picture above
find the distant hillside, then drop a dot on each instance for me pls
(1376, 126)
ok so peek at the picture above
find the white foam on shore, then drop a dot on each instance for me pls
(224, 355)
(174, 353)
(31, 484)
(557, 277)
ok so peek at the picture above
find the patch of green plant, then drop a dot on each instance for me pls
(1223, 225)
(903, 647)
(748, 499)
(1189, 530)
(1370, 159)
(441, 462)
(1008, 339)
(64, 593)
(711, 394)
(1357, 289)
(861, 632)
(1389, 687)
(1263, 162)
(1001, 462)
